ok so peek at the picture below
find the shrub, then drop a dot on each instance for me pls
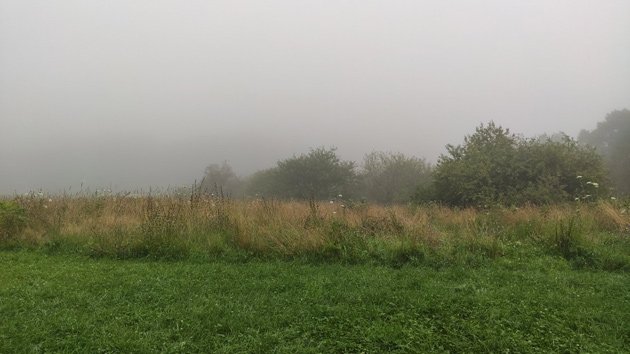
(320, 174)
(392, 177)
(494, 166)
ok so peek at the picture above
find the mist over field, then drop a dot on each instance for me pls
(148, 93)
(315, 176)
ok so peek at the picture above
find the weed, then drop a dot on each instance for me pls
(175, 227)
(12, 220)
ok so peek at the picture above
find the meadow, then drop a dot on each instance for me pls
(591, 235)
(200, 273)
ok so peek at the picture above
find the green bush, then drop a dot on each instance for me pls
(392, 177)
(495, 167)
(320, 174)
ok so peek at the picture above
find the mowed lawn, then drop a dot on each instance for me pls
(61, 303)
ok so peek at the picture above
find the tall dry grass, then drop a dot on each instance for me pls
(177, 227)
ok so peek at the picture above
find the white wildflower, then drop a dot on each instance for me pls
(49, 200)
(596, 185)
(332, 202)
(579, 177)
(613, 198)
(340, 196)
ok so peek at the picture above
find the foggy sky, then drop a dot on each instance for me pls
(139, 93)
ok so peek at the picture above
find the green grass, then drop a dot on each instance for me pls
(70, 303)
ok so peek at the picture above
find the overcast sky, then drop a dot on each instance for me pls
(137, 93)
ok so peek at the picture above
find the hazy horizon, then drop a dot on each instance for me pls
(148, 93)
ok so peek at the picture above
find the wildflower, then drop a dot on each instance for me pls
(334, 212)
(613, 198)
(332, 202)
(340, 196)
(45, 206)
(577, 199)
(579, 177)
(49, 200)
(596, 185)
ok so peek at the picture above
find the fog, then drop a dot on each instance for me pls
(131, 94)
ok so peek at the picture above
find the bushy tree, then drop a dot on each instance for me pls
(554, 170)
(220, 178)
(392, 177)
(494, 166)
(320, 174)
(479, 171)
(611, 139)
(263, 183)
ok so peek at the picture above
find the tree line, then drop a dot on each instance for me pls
(493, 166)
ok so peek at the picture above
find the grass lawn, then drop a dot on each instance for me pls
(65, 303)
